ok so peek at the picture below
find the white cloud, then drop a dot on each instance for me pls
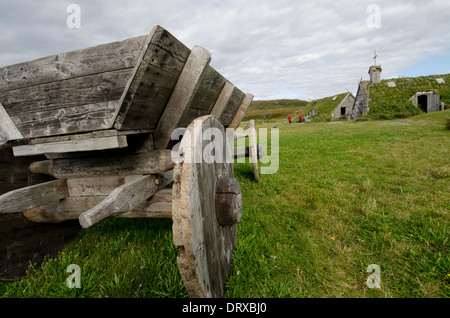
(284, 48)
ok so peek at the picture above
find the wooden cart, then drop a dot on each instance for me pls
(90, 135)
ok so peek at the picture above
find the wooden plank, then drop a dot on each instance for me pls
(8, 130)
(232, 107)
(69, 106)
(91, 144)
(211, 84)
(97, 186)
(254, 149)
(125, 198)
(89, 135)
(33, 196)
(182, 96)
(78, 63)
(222, 100)
(117, 165)
(153, 80)
(241, 111)
(159, 206)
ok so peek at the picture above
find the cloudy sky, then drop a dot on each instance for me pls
(271, 48)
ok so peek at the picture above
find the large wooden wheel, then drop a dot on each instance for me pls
(206, 205)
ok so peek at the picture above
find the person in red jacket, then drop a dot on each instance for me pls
(300, 118)
(289, 118)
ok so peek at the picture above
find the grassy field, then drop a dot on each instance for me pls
(345, 196)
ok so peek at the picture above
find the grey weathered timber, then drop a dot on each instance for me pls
(205, 247)
(125, 198)
(33, 196)
(228, 201)
(157, 161)
(222, 100)
(159, 206)
(90, 144)
(241, 111)
(8, 130)
(153, 80)
(182, 95)
(232, 106)
(254, 149)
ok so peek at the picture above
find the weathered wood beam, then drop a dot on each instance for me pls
(33, 196)
(182, 95)
(91, 144)
(241, 111)
(8, 129)
(254, 149)
(125, 198)
(223, 99)
(152, 162)
(159, 206)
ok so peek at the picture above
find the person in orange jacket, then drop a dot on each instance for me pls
(289, 118)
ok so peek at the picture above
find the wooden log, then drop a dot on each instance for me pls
(33, 196)
(241, 111)
(182, 96)
(157, 161)
(125, 198)
(91, 144)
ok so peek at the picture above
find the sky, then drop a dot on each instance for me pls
(271, 48)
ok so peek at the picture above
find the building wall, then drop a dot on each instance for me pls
(346, 102)
(375, 76)
(433, 101)
(361, 105)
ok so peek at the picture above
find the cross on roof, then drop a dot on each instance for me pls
(375, 57)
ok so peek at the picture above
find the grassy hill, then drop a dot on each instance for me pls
(324, 107)
(392, 102)
(270, 110)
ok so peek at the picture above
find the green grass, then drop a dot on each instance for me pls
(324, 107)
(272, 110)
(345, 196)
(392, 102)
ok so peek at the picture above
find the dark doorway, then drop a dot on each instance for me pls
(422, 102)
(343, 111)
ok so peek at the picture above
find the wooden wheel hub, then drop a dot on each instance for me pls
(206, 205)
